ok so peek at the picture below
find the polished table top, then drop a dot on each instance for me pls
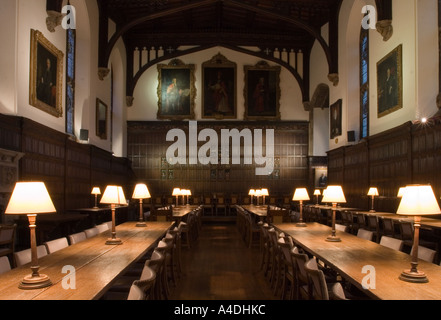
(352, 254)
(96, 264)
(260, 211)
(426, 221)
(181, 211)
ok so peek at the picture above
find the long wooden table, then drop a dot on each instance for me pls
(180, 212)
(96, 264)
(352, 254)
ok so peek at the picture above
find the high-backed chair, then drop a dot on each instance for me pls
(318, 287)
(288, 284)
(56, 245)
(103, 227)
(365, 234)
(221, 205)
(5, 265)
(341, 227)
(301, 276)
(392, 243)
(91, 232)
(23, 257)
(387, 227)
(77, 237)
(425, 254)
(374, 226)
(7, 240)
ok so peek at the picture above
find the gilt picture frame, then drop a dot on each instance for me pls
(262, 92)
(219, 94)
(390, 82)
(46, 75)
(176, 91)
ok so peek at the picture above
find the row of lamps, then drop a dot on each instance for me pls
(258, 193)
(416, 201)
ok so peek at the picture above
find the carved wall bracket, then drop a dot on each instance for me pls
(385, 28)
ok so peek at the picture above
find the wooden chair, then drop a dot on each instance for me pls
(162, 214)
(253, 231)
(23, 257)
(77, 237)
(103, 227)
(365, 234)
(341, 228)
(7, 240)
(278, 215)
(5, 265)
(359, 222)
(373, 225)
(318, 288)
(288, 284)
(221, 205)
(208, 206)
(347, 219)
(56, 245)
(392, 243)
(91, 232)
(387, 227)
(425, 254)
(301, 276)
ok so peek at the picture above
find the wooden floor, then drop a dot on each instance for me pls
(221, 267)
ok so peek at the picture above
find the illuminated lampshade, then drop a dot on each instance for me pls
(31, 199)
(114, 195)
(96, 191)
(301, 194)
(334, 195)
(373, 192)
(317, 192)
(187, 193)
(400, 192)
(176, 192)
(252, 193)
(417, 200)
(264, 193)
(141, 192)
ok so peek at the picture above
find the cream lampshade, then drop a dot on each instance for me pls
(373, 192)
(176, 193)
(114, 195)
(265, 193)
(334, 195)
(96, 191)
(252, 193)
(258, 194)
(186, 193)
(400, 192)
(417, 200)
(317, 194)
(31, 199)
(141, 192)
(301, 194)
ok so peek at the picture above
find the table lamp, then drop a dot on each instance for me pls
(31, 199)
(176, 193)
(141, 192)
(188, 194)
(299, 195)
(265, 193)
(96, 191)
(417, 200)
(317, 194)
(334, 195)
(372, 193)
(258, 194)
(114, 195)
(252, 193)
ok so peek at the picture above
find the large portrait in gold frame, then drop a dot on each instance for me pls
(390, 82)
(219, 88)
(176, 90)
(46, 75)
(262, 92)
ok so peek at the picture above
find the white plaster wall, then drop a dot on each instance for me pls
(145, 106)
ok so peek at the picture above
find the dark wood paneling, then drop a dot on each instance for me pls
(147, 145)
(408, 154)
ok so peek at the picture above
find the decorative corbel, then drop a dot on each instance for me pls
(129, 101)
(53, 20)
(307, 106)
(385, 28)
(103, 73)
(334, 78)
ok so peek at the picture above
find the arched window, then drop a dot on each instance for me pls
(70, 81)
(364, 83)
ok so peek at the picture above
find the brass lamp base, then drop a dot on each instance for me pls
(141, 224)
(333, 239)
(32, 282)
(414, 277)
(301, 225)
(115, 241)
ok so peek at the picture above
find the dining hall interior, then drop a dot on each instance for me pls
(210, 150)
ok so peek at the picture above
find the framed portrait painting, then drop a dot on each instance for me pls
(321, 178)
(101, 119)
(390, 82)
(46, 75)
(336, 110)
(219, 88)
(262, 92)
(176, 90)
